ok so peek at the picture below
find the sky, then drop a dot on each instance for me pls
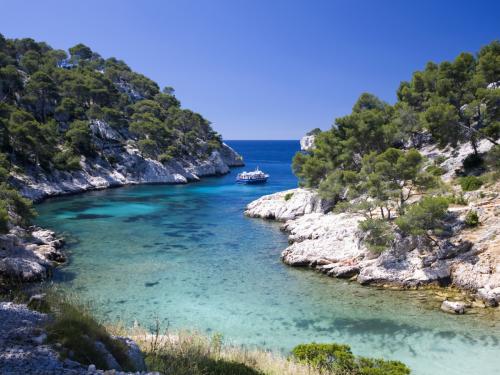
(264, 69)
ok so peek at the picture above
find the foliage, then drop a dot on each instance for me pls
(435, 170)
(288, 196)
(378, 234)
(493, 159)
(4, 217)
(457, 199)
(338, 359)
(450, 100)
(47, 101)
(13, 207)
(471, 219)
(425, 216)
(470, 183)
(74, 327)
(315, 131)
(389, 179)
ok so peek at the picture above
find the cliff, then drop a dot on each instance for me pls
(121, 163)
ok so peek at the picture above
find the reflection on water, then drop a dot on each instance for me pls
(187, 255)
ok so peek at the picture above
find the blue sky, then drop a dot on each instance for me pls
(264, 69)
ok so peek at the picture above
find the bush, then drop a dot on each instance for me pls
(325, 356)
(74, 327)
(337, 358)
(435, 170)
(21, 207)
(470, 183)
(472, 219)
(4, 218)
(66, 161)
(378, 234)
(288, 196)
(457, 199)
(425, 215)
(439, 160)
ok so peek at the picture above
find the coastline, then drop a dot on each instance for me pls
(331, 243)
(129, 168)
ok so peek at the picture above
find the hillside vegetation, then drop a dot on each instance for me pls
(369, 161)
(50, 98)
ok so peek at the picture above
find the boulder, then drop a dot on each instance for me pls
(22, 269)
(491, 297)
(453, 307)
(287, 205)
(134, 354)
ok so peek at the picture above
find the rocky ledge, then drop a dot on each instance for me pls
(331, 243)
(28, 255)
(121, 163)
(24, 348)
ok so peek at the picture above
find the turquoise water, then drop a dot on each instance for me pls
(187, 255)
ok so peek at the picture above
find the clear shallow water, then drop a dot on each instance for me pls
(187, 255)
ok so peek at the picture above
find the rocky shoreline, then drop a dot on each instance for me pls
(331, 243)
(121, 163)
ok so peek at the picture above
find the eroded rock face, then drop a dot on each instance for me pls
(307, 142)
(29, 255)
(454, 157)
(120, 164)
(287, 205)
(331, 243)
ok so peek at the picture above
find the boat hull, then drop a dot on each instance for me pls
(253, 181)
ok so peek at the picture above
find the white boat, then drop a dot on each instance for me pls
(255, 177)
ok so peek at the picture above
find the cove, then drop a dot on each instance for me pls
(185, 254)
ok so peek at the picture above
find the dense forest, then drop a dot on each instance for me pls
(49, 99)
(373, 152)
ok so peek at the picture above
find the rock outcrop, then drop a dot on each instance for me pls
(28, 255)
(287, 205)
(121, 163)
(331, 243)
(307, 142)
(24, 348)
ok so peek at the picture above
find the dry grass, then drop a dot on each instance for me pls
(188, 352)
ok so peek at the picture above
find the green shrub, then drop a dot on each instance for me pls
(74, 327)
(165, 158)
(435, 170)
(13, 201)
(457, 199)
(439, 160)
(338, 359)
(4, 217)
(378, 234)
(423, 216)
(470, 183)
(472, 219)
(66, 161)
(325, 356)
(288, 196)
